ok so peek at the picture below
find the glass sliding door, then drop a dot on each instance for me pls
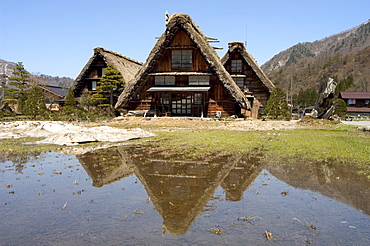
(181, 104)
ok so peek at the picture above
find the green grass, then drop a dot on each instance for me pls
(338, 143)
(322, 144)
(341, 143)
(22, 145)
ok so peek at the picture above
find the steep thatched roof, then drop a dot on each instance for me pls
(175, 23)
(128, 67)
(239, 47)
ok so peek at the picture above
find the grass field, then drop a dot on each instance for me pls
(315, 142)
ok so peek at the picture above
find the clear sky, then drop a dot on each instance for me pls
(57, 37)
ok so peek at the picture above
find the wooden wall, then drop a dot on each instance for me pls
(251, 82)
(218, 98)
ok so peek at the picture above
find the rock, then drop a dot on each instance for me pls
(326, 100)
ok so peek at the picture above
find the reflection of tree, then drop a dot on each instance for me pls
(19, 160)
(333, 179)
(105, 166)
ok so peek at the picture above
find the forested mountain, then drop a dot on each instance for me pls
(306, 65)
(42, 79)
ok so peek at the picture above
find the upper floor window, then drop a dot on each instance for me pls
(236, 66)
(239, 82)
(182, 59)
(199, 80)
(164, 80)
(93, 85)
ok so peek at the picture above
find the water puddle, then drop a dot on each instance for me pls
(131, 195)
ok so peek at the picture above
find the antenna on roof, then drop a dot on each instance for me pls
(166, 17)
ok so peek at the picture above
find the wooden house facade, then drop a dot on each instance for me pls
(248, 76)
(54, 96)
(92, 72)
(358, 103)
(183, 76)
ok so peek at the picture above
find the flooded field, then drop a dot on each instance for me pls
(133, 195)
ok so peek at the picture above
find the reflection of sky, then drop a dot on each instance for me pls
(120, 211)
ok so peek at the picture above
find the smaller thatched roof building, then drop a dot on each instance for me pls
(248, 76)
(94, 69)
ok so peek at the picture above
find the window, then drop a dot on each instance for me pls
(199, 80)
(164, 80)
(182, 59)
(236, 66)
(165, 98)
(197, 98)
(181, 104)
(239, 82)
(93, 85)
(351, 101)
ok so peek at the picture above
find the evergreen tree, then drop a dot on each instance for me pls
(86, 100)
(110, 82)
(35, 103)
(70, 102)
(277, 105)
(340, 108)
(100, 100)
(306, 97)
(344, 84)
(22, 81)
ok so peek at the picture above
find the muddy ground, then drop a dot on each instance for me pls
(198, 123)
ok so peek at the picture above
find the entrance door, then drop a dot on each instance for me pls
(181, 104)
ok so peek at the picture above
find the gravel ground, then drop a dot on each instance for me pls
(198, 123)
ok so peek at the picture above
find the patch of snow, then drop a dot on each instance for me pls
(62, 133)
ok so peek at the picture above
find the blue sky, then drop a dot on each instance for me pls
(57, 37)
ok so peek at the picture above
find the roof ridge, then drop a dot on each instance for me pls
(117, 54)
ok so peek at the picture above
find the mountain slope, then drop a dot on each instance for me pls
(307, 64)
(6, 68)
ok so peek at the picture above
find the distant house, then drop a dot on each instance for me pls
(248, 76)
(183, 76)
(358, 103)
(54, 96)
(94, 69)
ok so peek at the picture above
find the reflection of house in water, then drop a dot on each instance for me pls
(180, 189)
(240, 178)
(334, 180)
(105, 166)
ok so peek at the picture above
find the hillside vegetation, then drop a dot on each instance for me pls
(306, 65)
(7, 67)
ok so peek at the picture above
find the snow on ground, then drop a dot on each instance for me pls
(62, 133)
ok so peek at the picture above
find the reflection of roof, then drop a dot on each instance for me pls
(358, 110)
(179, 189)
(355, 95)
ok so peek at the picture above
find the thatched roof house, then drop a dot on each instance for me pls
(183, 75)
(54, 96)
(248, 76)
(94, 69)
